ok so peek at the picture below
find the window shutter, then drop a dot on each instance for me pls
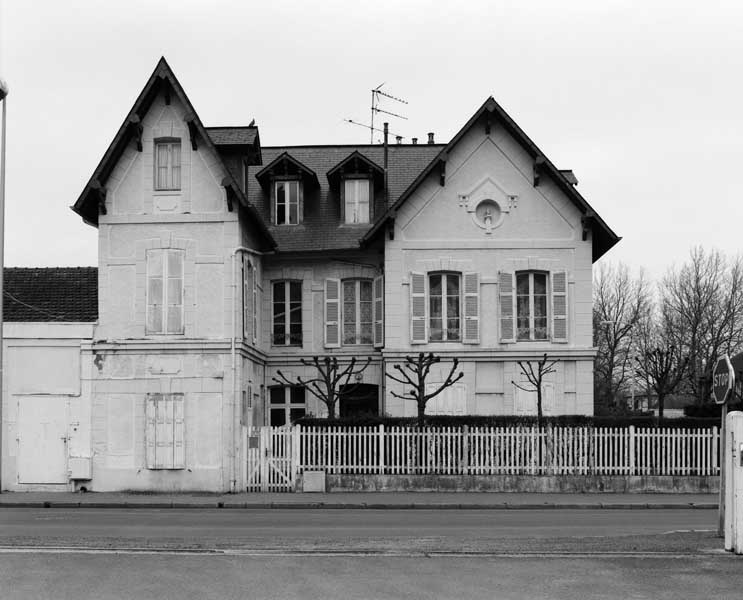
(418, 321)
(507, 316)
(255, 307)
(378, 308)
(164, 432)
(332, 313)
(471, 308)
(300, 201)
(560, 306)
(179, 433)
(174, 291)
(272, 202)
(150, 429)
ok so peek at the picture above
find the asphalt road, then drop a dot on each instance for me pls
(143, 553)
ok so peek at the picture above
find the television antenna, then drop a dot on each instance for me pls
(377, 97)
(377, 94)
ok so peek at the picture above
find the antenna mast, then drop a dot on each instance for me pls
(376, 93)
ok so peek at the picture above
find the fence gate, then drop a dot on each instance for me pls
(270, 460)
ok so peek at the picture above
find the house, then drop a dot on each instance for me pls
(222, 261)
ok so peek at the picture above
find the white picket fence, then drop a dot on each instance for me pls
(504, 450)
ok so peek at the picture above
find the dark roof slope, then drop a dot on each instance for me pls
(322, 228)
(53, 294)
(232, 136)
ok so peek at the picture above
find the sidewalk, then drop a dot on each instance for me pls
(359, 500)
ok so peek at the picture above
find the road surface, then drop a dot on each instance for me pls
(145, 553)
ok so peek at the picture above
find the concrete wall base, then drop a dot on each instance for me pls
(524, 483)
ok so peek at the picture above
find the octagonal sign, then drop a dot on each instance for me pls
(723, 379)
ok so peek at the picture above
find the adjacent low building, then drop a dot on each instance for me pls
(222, 261)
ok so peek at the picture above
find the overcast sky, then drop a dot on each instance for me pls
(641, 99)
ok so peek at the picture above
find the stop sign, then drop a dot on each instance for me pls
(723, 379)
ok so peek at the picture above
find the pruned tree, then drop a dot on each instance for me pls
(620, 300)
(535, 373)
(704, 299)
(331, 376)
(414, 373)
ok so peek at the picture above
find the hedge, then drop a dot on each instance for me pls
(511, 421)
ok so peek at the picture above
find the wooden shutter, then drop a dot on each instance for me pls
(418, 309)
(471, 308)
(300, 201)
(150, 407)
(256, 306)
(505, 305)
(155, 292)
(332, 313)
(164, 442)
(174, 291)
(560, 306)
(179, 432)
(378, 309)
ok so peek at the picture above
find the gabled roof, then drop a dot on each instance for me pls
(285, 164)
(603, 237)
(354, 159)
(162, 80)
(58, 294)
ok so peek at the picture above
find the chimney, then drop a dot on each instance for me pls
(415, 141)
(430, 137)
(399, 139)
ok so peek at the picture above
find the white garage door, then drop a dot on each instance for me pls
(42, 435)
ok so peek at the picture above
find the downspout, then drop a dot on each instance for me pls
(233, 351)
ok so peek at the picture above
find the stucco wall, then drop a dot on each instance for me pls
(43, 364)
(538, 228)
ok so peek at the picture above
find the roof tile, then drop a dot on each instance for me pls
(50, 294)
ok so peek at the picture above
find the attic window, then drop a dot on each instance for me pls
(168, 164)
(356, 193)
(287, 198)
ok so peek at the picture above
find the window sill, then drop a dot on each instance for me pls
(167, 192)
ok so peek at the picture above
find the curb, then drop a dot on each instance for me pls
(359, 506)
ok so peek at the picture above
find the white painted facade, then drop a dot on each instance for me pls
(167, 412)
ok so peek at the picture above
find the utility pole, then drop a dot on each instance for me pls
(4, 100)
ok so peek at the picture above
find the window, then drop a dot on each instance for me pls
(287, 313)
(444, 307)
(164, 291)
(531, 306)
(356, 200)
(164, 436)
(167, 164)
(357, 311)
(287, 405)
(287, 194)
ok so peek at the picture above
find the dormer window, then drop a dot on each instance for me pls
(356, 200)
(168, 164)
(287, 195)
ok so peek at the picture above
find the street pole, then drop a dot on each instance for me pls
(4, 100)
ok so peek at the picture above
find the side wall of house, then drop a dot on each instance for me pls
(130, 365)
(46, 425)
(490, 219)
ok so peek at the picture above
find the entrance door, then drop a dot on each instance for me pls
(42, 439)
(360, 399)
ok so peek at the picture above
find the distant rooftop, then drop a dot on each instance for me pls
(63, 294)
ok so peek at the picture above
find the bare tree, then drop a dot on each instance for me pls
(619, 302)
(331, 376)
(414, 373)
(704, 300)
(535, 374)
(659, 361)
